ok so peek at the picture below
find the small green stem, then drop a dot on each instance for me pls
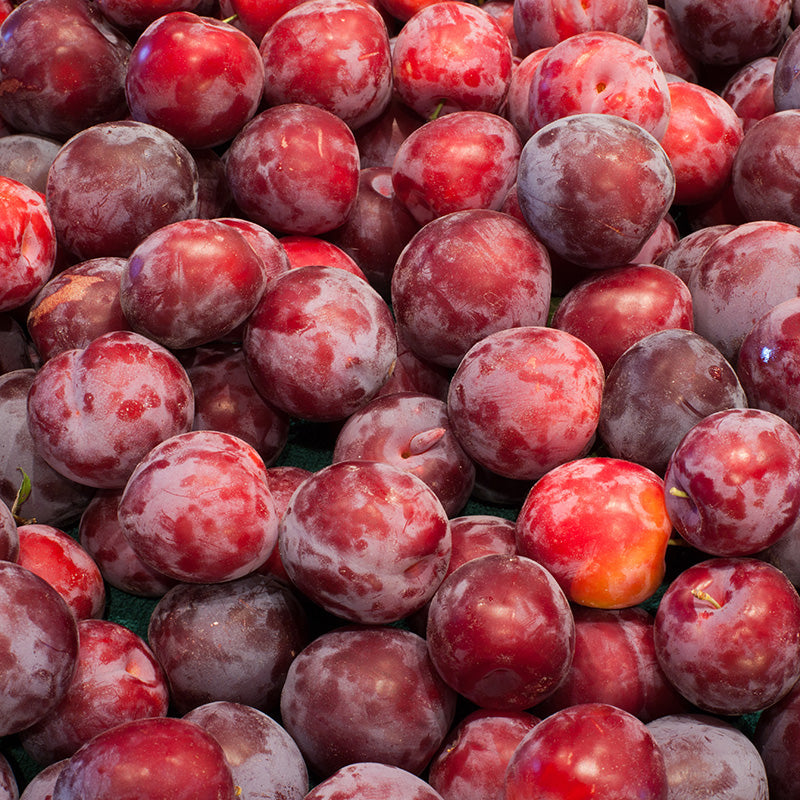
(676, 492)
(706, 597)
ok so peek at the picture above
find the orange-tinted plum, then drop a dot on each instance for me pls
(600, 526)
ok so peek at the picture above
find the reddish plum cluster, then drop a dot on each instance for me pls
(399, 399)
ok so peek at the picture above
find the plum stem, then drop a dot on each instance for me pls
(231, 19)
(423, 441)
(436, 111)
(676, 492)
(706, 597)
(23, 493)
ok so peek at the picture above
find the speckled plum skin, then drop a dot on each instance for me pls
(373, 781)
(451, 54)
(463, 160)
(702, 138)
(768, 364)
(65, 565)
(613, 309)
(76, 306)
(366, 694)
(591, 750)
(729, 32)
(466, 275)
(28, 243)
(741, 276)
(741, 471)
(594, 187)
(117, 679)
(544, 24)
(688, 251)
(62, 68)
(615, 662)
(707, 651)
(500, 632)
(600, 72)
(95, 413)
(600, 526)
(195, 77)
(242, 636)
(114, 183)
(156, 757)
(412, 432)
(471, 763)
(750, 91)
(54, 499)
(662, 42)
(334, 55)
(307, 186)
(198, 508)
(766, 184)
(526, 399)
(320, 344)
(38, 647)
(708, 756)
(658, 389)
(264, 760)
(365, 540)
(190, 283)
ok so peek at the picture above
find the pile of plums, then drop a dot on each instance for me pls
(399, 400)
